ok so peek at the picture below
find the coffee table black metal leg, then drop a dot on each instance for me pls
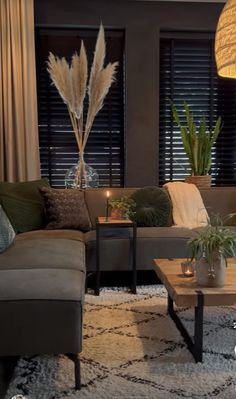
(134, 290)
(195, 346)
(198, 328)
(97, 283)
(179, 324)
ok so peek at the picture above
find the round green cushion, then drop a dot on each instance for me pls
(153, 207)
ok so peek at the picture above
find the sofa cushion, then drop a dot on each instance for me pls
(144, 232)
(44, 254)
(152, 242)
(66, 209)
(7, 233)
(23, 204)
(153, 207)
(42, 284)
(47, 234)
(220, 201)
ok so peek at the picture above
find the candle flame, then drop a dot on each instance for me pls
(108, 194)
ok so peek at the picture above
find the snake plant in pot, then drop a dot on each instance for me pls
(210, 249)
(198, 141)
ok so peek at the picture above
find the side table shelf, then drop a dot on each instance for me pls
(102, 223)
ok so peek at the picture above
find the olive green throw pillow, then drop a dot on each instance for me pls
(24, 204)
(153, 207)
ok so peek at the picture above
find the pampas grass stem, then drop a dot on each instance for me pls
(71, 83)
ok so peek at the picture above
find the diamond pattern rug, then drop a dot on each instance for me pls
(132, 349)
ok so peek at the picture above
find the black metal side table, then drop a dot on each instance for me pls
(104, 222)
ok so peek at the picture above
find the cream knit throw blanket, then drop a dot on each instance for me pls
(188, 208)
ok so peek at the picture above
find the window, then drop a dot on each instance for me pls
(58, 149)
(188, 73)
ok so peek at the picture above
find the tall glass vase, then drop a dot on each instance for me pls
(81, 175)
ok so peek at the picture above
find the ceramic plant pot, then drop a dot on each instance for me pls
(211, 275)
(117, 213)
(199, 181)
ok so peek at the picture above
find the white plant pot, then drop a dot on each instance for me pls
(214, 276)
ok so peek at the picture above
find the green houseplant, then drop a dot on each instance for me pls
(198, 141)
(211, 248)
(122, 208)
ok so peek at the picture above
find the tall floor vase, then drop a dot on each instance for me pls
(81, 175)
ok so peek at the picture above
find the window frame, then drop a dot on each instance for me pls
(221, 172)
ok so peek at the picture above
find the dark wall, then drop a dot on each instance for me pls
(142, 22)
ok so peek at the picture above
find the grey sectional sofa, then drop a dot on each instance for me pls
(42, 280)
(152, 242)
(42, 275)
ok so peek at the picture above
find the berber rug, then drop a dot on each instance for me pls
(132, 349)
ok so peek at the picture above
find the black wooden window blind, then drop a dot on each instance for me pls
(58, 149)
(188, 73)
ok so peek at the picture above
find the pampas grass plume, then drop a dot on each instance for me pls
(71, 83)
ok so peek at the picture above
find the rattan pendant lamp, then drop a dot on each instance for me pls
(225, 41)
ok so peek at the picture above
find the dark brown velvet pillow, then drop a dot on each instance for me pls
(65, 209)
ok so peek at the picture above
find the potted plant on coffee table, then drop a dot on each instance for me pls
(210, 249)
(122, 208)
(198, 142)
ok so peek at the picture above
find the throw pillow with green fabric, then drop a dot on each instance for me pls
(7, 233)
(153, 207)
(23, 204)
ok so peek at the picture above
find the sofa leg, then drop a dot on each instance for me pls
(76, 359)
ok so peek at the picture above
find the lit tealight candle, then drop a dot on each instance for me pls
(188, 273)
(187, 269)
(108, 196)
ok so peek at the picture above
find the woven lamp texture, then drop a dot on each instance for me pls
(225, 41)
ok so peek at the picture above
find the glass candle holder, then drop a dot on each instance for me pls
(187, 268)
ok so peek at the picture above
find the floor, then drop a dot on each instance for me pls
(108, 279)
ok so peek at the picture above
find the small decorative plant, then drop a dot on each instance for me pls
(212, 239)
(197, 140)
(122, 207)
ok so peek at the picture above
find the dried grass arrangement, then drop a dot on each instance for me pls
(73, 85)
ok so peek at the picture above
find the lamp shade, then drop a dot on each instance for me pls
(225, 41)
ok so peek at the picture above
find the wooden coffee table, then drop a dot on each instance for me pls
(184, 292)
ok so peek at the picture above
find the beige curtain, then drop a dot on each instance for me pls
(19, 147)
